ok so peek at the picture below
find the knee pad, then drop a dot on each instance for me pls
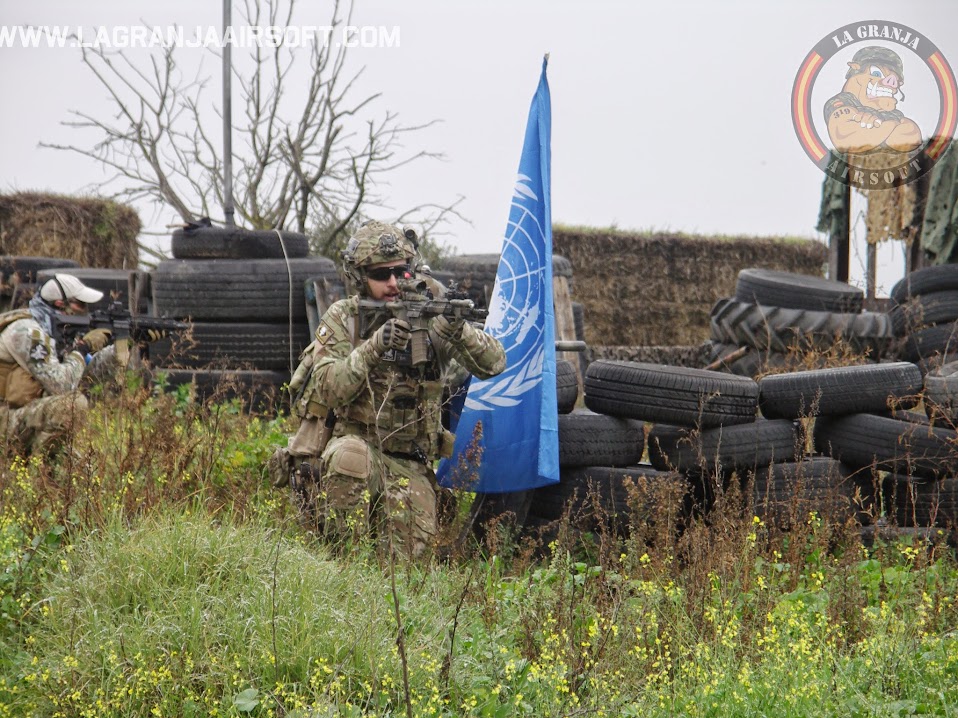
(349, 456)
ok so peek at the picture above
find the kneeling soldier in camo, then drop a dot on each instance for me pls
(39, 400)
(380, 412)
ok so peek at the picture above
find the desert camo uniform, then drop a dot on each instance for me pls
(39, 401)
(378, 467)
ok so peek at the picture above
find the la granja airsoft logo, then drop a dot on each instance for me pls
(851, 113)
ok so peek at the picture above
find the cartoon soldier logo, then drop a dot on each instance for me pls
(864, 135)
(864, 116)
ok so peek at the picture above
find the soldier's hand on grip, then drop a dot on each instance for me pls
(450, 330)
(394, 334)
(96, 339)
(154, 335)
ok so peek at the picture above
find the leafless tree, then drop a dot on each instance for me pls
(308, 157)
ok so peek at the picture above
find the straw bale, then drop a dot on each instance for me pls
(658, 289)
(92, 231)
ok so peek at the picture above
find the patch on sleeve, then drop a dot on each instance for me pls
(324, 333)
(39, 346)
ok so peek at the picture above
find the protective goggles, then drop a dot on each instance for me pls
(382, 274)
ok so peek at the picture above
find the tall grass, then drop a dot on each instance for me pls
(149, 571)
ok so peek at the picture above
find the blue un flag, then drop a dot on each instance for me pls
(507, 438)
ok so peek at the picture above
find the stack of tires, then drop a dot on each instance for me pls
(706, 428)
(858, 413)
(780, 315)
(18, 277)
(925, 315)
(243, 293)
(599, 459)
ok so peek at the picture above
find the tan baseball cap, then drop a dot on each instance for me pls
(66, 287)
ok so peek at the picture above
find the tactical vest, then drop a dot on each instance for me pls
(18, 387)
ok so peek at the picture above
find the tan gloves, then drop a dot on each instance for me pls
(96, 339)
(450, 330)
(154, 335)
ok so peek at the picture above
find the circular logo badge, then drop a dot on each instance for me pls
(849, 106)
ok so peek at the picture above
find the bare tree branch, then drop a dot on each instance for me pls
(309, 155)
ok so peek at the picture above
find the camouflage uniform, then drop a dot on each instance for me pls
(40, 401)
(377, 471)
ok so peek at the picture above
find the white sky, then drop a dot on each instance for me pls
(670, 115)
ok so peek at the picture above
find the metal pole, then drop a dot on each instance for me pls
(227, 120)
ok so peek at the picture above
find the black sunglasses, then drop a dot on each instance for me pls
(382, 274)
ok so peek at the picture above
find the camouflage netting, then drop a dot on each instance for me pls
(94, 232)
(658, 289)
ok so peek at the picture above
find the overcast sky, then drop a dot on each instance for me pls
(670, 115)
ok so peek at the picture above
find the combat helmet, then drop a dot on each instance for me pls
(376, 243)
(876, 55)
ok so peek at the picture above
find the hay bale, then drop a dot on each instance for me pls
(658, 289)
(91, 231)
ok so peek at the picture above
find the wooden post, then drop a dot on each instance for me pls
(564, 319)
(838, 245)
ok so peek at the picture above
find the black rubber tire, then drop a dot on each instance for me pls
(886, 444)
(588, 439)
(567, 385)
(233, 345)
(676, 395)
(786, 494)
(797, 291)
(720, 450)
(259, 391)
(840, 390)
(602, 496)
(925, 310)
(26, 268)
(781, 329)
(940, 278)
(941, 393)
(578, 320)
(504, 511)
(925, 503)
(234, 289)
(237, 243)
(927, 343)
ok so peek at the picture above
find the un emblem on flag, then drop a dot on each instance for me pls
(516, 311)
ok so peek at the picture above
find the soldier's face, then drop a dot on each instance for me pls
(72, 307)
(384, 289)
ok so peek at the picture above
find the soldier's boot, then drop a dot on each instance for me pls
(304, 482)
(279, 467)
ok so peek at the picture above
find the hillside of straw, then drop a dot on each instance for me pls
(94, 232)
